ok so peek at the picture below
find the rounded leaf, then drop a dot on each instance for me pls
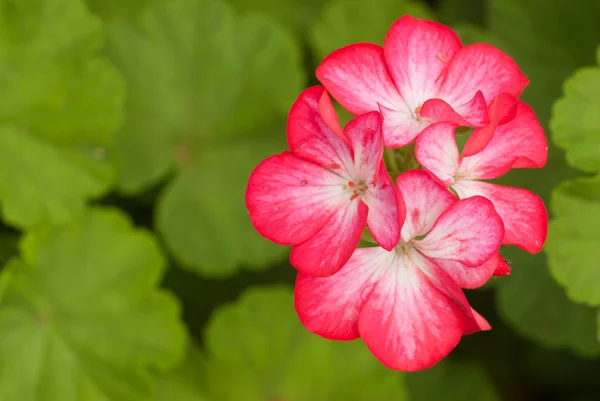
(259, 344)
(208, 98)
(82, 306)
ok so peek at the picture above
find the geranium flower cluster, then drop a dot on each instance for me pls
(440, 227)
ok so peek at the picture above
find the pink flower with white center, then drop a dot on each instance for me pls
(423, 74)
(521, 143)
(406, 304)
(319, 196)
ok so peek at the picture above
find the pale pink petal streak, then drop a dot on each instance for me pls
(330, 248)
(329, 306)
(437, 152)
(425, 200)
(470, 231)
(407, 322)
(310, 138)
(523, 212)
(400, 127)
(357, 77)
(383, 219)
(290, 199)
(416, 52)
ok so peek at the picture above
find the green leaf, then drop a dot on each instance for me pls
(573, 239)
(453, 11)
(575, 121)
(531, 302)
(276, 358)
(548, 39)
(598, 325)
(82, 319)
(297, 14)
(61, 104)
(451, 381)
(117, 8)
(209, 92)
(183, 382)
(351, 21)
(8, 246)
(188, 212)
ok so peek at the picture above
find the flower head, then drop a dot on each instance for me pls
(423, 74)
(319, 196)
(520, 143)
(406, 304)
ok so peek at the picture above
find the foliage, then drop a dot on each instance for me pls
(128, 130)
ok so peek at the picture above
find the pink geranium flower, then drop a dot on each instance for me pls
(423, 74)
(406, 304)
(319, 196)
(521, 143)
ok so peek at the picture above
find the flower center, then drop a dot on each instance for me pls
(358, 188)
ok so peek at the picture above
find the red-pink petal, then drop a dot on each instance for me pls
(473, 321)
(383, 219)
(329, 249)
(400, 127)
(478, 323)
(523, 212)
(502, 110)
(480, 67)
(364, 134)
(470, 231)
(520, 143)
(329, 116)
(290, 199)
(310, 138)
(416, 52)
(425, 200)
(357, 77)
(503, 267)
(471, 114)
(329, 306)
(437, 152)
(469, 277)
(406, 321)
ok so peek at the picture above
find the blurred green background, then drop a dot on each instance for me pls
(128, 129)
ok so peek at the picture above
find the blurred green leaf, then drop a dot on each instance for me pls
(531, 301)
(8, 246)
(548, 39)
(573, 239)
(296, 14)
(60, 106)
(259, 344)
(451, 381)
(575, 121)
(183, 383)
(351, 21)
(209, 90)
(453, 11)
(82, 319)
(118, 8)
